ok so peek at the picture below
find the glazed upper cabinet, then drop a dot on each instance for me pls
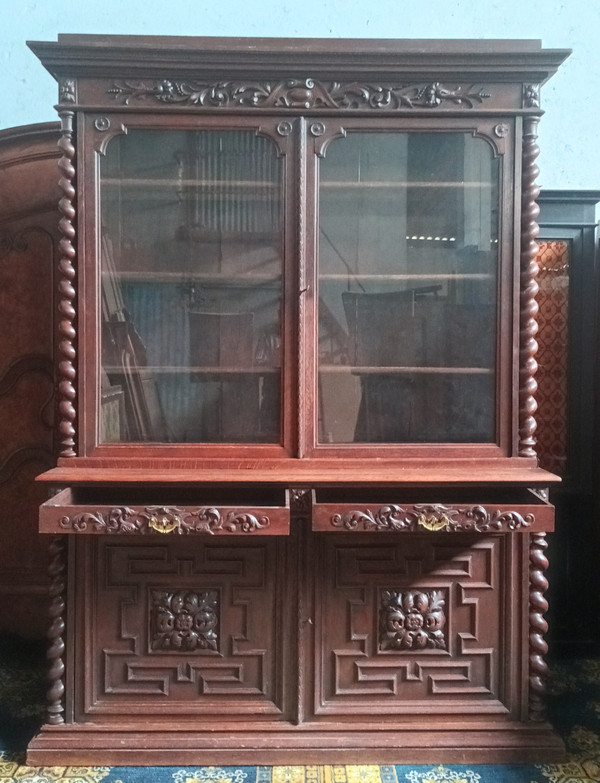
(297, 403)
(319, 258)
(205, 304)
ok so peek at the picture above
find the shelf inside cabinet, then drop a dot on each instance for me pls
(220, 279)
(376, 370)
(148, 182)
(198, 370)
(384, 277)
(397, 184)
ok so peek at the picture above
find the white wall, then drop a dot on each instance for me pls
(568, 132)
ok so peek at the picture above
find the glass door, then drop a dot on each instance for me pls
(192, 249)
(408, 286)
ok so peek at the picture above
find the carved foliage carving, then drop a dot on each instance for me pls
(298, 94)
(412, 620)
(183, 620)
(433, 517)
(162, 519)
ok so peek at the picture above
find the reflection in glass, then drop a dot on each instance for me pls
(192, 249)
(408, 251)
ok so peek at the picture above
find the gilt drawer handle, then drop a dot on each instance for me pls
(433, 522)
(164, 523)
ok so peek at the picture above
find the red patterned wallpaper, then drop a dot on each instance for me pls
(552, 357)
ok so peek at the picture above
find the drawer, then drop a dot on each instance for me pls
(168, 511)
(389, 511)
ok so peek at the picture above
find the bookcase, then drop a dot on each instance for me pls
(298, 515)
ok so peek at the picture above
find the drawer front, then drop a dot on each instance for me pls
(435, 517)
(63, 514)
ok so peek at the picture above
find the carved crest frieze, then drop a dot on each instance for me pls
(183, 620)
(162, 519)
(412, 620)
(298, 94)
(433, 518)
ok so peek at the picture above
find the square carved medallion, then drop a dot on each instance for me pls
(412, 620)
(183, 620)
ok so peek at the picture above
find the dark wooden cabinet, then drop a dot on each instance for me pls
(300, 515)
(28, 251)
(568, 410)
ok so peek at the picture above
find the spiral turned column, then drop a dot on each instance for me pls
(66, 268)
(538, 584)
(57, 571)
(529, 290)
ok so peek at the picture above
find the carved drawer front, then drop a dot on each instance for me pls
(423, 624)
(370, 511)
(86, 510)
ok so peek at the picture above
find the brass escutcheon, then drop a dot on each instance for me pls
(433, 522)
(165, 523)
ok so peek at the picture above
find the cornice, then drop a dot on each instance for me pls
(206, 58)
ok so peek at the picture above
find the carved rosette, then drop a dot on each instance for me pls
(298, 94)
(66, 268)
(412, 620)
(433, 518)
(56, 650)
(529, 291)
(538, 627)
(163, 519)
(183, 620)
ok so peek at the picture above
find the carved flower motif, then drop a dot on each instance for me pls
(412, 620)
(184, 620)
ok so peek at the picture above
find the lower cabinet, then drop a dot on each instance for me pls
(311, 647)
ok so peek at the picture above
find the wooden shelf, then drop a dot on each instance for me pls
(346, 369)
(148, 182)
(208, 278)
(196, 370)
(402, 277)
(404, 185)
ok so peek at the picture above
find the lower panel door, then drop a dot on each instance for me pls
(179, 629)
(426, 625)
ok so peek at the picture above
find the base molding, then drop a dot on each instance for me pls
(110, 745)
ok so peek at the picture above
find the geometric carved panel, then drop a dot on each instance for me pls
(416, 622)
(412, 620)
(183, 620)
(182, 627)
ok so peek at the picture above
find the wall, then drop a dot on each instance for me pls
(567, 135)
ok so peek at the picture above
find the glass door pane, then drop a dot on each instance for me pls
(408, 282)
(192, 260)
